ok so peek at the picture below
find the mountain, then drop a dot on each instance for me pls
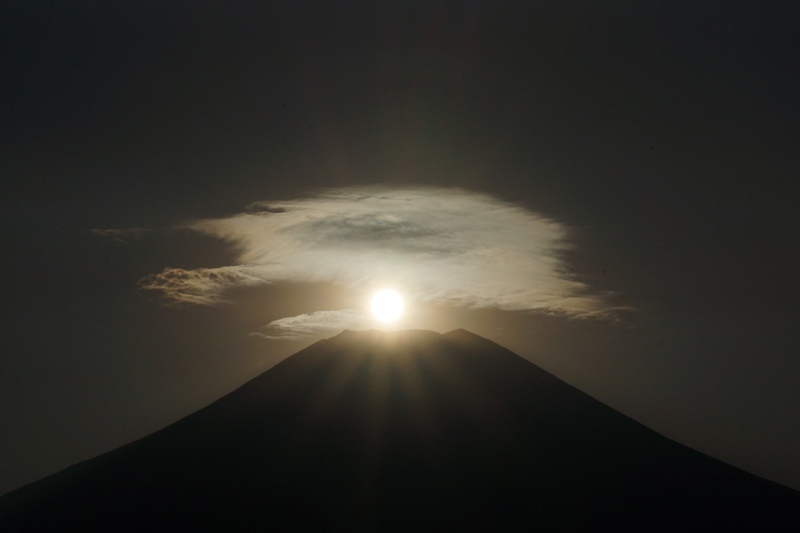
(403, 431)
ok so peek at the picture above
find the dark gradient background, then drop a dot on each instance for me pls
(663, 134)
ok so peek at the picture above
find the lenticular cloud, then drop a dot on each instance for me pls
(446, 246)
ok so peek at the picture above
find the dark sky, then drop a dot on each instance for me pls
(660, 139)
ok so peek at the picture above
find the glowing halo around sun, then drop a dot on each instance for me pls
(387, 306)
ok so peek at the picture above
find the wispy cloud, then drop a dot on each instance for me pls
(203, 286)
(317, 324)
(446, 246)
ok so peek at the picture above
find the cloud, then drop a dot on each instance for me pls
(317, 324)
(620, 314)
(203, 286)
(446, 246)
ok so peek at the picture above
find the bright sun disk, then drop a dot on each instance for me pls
(387, 305)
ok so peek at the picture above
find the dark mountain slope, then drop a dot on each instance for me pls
(404, 430)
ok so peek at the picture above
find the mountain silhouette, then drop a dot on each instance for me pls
(403, 431)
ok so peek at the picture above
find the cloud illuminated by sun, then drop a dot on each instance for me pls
(444, 246)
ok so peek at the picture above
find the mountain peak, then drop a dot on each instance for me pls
(458, 334)
(384, 332)
(464, 335)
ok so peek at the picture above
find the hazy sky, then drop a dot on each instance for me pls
(193, 191)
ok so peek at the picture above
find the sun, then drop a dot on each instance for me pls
(387, 306)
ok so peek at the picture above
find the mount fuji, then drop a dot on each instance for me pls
(405, 430)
